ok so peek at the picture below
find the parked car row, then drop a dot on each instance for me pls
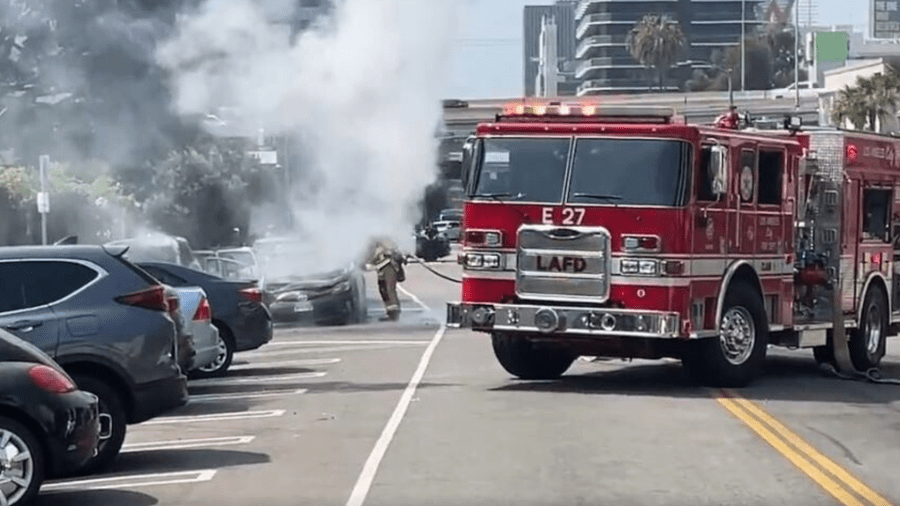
(283, 268)
(127, 336)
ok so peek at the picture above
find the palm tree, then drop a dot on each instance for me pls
(656, 41)
(867, 104)
(851, 106)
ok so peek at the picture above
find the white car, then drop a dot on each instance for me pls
(197, 316)
(807, 89)
(447, 223)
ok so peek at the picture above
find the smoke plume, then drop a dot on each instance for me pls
(359, 97)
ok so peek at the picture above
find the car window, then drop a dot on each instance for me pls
(164, 276)
(28, 284)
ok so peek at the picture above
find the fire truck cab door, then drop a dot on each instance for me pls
(710, 232)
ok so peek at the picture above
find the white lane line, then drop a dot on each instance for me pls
(375, 311)
(131, 481)
(183, 444)
(228, 397)
(256, 379)
(298, 351)
(367, 476)
(217, 417)
(298, 362)
(345, 341)
(414, 298)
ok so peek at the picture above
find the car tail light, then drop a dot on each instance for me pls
(152, 298)
(204, 312)
(173, 304)
(252, 294)
(50, 380)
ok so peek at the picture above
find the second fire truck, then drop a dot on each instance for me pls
(625, 232)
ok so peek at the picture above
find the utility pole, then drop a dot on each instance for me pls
(743, 44)
(43, 198)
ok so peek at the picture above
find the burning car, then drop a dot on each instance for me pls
(292, 293)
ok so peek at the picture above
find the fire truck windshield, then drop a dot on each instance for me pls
(630, 172)
(611, 171)
(522, 169)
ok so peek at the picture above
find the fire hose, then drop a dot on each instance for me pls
(428, 267)
(843, 367)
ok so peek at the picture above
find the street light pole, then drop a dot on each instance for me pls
(797, 55)
(730, 90)
(743, 43)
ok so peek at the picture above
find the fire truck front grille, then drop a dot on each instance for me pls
(563, 263)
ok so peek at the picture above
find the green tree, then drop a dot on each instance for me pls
(205, 191)
(657, 42)
(80, 204)
(870, 102)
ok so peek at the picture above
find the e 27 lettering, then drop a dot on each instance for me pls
(570, 215)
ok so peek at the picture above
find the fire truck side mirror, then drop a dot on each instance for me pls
(718, 170)
(468, 157)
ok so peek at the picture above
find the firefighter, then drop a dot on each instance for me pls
(731, 119)
(386, 259)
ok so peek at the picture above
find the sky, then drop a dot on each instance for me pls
(487, 56)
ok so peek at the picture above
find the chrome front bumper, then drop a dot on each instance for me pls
(563, 320)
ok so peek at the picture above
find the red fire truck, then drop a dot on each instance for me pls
(625, 232)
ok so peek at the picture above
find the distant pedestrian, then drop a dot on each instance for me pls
(387, 261)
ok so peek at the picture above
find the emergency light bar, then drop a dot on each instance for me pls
(585, 112)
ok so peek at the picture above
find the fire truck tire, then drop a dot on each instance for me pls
(522, 359)
(867, 342)
(736, 357)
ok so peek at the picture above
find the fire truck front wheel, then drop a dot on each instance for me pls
(521, 358)
(735, 358)
(867, 342)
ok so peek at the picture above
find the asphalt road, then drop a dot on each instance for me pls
(408, 413)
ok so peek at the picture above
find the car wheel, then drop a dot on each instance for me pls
(22, 463)
(113, 410)
(224, 355)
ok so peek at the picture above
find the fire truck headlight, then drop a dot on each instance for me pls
(491, 261)
(648, 267)
(483, 261)
(492, 239)
(630, 267)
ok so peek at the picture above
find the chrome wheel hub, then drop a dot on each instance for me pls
(16, 467)
(221, 355)
(738, 335)
(873, 329)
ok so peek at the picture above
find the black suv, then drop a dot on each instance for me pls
(105, 321)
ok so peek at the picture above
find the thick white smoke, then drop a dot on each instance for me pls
(361, 94)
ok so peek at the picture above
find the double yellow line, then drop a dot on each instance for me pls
(833, 478)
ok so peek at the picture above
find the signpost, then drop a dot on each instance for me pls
(43, 198)
(885, 20)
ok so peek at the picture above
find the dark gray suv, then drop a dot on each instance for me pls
(105, 321)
